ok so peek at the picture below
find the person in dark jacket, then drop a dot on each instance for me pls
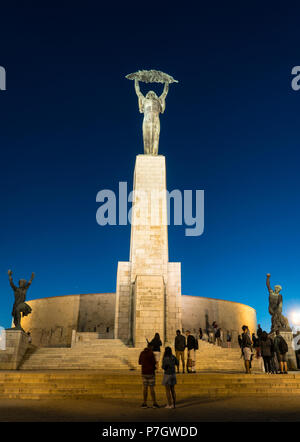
(281, 348)
(266, 348)
(148, 363)
(156, 344)
(192, 346)
(179, 349)
(169, 363)
(246, 346)
(259, 331)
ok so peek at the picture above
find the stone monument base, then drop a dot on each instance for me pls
(15, 348)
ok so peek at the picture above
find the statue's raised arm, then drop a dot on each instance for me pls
(139, 94)
(268, 283)
(163, 96)
(30, 280)
(11, 280)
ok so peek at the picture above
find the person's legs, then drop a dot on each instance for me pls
(177, 354)
(247, 355)
(172, 388)
(272, 365)
(188, 361)
(281, 367)
(285, 367)
(261, 364)
(152, 391)
(168, 394)
(265, 364)
(193, 358)
(145, 394)
(182, 360)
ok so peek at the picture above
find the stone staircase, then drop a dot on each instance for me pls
(94, 384)
(91, 353)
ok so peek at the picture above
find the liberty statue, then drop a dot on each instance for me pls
(151, 106)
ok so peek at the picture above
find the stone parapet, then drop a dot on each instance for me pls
(15, 349)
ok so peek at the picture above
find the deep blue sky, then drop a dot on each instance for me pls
(70, 127)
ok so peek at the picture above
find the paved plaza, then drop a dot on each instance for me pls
(271, 409)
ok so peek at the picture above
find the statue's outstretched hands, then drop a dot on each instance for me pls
(9, 273)
(32, 275)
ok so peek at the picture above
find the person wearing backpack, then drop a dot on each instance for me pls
(281, 349)
(267, 349)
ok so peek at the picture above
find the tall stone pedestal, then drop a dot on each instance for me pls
(15, 348)
(148, 295)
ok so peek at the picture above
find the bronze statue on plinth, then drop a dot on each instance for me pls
(279, 322)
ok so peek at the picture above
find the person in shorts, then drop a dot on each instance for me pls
(169, 363)
(246, 346)
(148, 363)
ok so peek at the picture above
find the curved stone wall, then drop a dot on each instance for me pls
(230, 316)
(53, 319)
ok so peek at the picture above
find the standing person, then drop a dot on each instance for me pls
(192, 346)
(148, 363)
(281, 348)
(259, 331)
(266, 351)
(215, 328)
(169, 380)
(228, 339)
(218, 337)
(246, 346)
(156, 344)
(179, 349)
(200, 333)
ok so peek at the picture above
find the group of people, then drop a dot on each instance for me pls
(272, 351)
(215, 335)
(150, 358)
